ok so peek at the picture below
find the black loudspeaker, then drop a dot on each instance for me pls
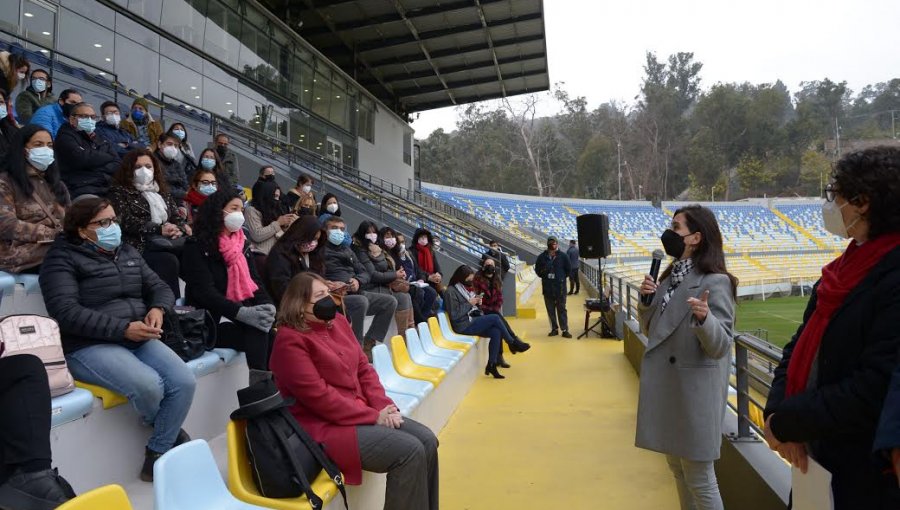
(593, 236)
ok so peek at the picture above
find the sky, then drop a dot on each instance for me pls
(597, 47)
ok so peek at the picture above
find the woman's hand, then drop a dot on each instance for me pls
(434, 278)
(285, 220)
(384, 416)
(154, 318)
(170, 230)
(648, 286)
(475, 301)
(187, 230)
(700, 307)
(770, 438)
(795, 453)
(137, 331)
(353, 285)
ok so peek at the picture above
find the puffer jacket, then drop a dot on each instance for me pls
(29, 102)
(176, 177)
(94, 296)
(379, 268)
(133, 212)
(26, 231)
(341, 264)
(120, 139)
(86, 163)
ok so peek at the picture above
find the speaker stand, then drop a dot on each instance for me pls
(605, 331)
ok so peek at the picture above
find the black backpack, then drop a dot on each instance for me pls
(284, 457)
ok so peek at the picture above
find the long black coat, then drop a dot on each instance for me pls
(206, 278)
(839, 417)
(86, 164)
(94, 296)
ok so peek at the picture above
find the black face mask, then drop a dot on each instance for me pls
(673, 243)
(489, 271)
(267, 178)
(67, 110)
(325, 309)
(222, 150)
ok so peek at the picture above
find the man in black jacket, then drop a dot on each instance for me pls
(553, 268)
(341, 265)
(86, 161)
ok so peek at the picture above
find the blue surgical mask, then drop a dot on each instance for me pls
(137, 115)
(348, 239)
(179, 133)
(87, 125)
(208, 163)
(336, 236)
(40, 157)
(3, 111)
(207, 189)
(109, 238)
(39, 85)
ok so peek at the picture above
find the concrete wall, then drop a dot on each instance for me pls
(384, 158)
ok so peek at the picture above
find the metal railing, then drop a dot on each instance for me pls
(754, 358)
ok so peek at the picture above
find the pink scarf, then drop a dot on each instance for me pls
(240, 283)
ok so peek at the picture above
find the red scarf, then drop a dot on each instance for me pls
(194, 197)
(426, 259)
(839, 277)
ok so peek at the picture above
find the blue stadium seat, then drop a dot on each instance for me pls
(420, 357)
(393, 381)
(225, 354)
(70, 407)
(430, 347)
(208, 363)
(406, 403)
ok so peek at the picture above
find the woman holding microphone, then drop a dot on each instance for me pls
(685, 368)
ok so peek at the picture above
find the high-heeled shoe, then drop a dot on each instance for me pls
(518, 346)
(491, 369)
(502, 362)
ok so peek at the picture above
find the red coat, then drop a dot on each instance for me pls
(335, 388)
(493, 297)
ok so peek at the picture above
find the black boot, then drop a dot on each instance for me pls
(39, 490)
(491, 369)
(502, 362)
(518, 346)
(183, 437)
(150, 458)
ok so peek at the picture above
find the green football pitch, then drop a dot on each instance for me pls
(779, 317)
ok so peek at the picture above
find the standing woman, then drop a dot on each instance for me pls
(33, 202)
(185, 153)
(684, 374)
(265, 223)
(223, 280)
(329, 207)
(301, 199)
(830, 386)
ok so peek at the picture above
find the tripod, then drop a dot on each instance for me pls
(605, 330)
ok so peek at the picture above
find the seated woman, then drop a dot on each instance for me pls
(203, 184)
(329, 207)
(423, 295)
(301, 199)
(383, 272)
(223, 280)
(339, 400)
(109, 305)
(466, 318)
(185, 151)
(300, 249)
(422, 249)
(32, 202)
(265, 223)
(209, 160)
(148, 214)
(490, 286)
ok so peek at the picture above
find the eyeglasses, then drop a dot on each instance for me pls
(830, 190)
(208, 183)
(105, 222)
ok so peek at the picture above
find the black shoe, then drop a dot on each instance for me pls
(150, 458)
(519, 346)
(553, 333)
(182, 438)
(491, 369)
(39, 490)
(566, 334)
(502, 363)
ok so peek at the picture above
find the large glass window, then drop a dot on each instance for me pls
(136, 66)
(338, 110)
(407, 148)
(185, 19)
(365, 113)
(147, 9)
(90, 9)
(301, 83)
(317, 136)
(180, 82)
(218, 98)
(85, 40)
(299, 128)
(136, 32)
(321, 94)
(223, 31)
(38, 22)
(9, 17)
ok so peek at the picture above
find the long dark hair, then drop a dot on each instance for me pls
(360, 235)
(710, 256)
(325, 199)
(124, 176)
(495, 280)
(18, 170)
(264, 201)
(302, 231)
(395, 251)
(210, 220)
(459, 276)
(16, 61)
(171, 131)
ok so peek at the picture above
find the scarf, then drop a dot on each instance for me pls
(468, 294)
(240, 283)
(426, 259)
(159, 213)
(680, 270)
(194, 197)
(839, 277)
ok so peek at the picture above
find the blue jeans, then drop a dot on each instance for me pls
(493, 327)
(156, 381)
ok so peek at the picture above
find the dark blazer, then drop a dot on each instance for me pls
(94, 296)
(559, 267)
(838, 418)
(86, 163)
(133, 212)
(206, 278)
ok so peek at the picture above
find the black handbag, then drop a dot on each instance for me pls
(188, 331)
(158, 242)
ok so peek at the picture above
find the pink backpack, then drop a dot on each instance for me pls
(37, 335)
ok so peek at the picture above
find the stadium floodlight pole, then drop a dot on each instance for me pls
(619, 158)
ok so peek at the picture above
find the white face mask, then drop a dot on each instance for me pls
(170, 151)
(306, 189)
(833, 220)
(234, 221)
(372, 237)
(390, 242)
(332, 208)
(21, 76)
(143, 175)
(113, 119)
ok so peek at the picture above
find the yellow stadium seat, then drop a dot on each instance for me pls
(242, 486)
(108, 497)
(439, 340)
(109, 397)
(407, 368)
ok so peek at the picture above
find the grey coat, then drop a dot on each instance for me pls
(685, 369)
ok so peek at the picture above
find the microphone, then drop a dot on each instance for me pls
(658, 255)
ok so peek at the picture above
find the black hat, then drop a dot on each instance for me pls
(259, 398)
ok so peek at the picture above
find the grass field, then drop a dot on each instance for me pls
(779, 316)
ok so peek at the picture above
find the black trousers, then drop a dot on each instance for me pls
(574, 282)
(251, 341)
(165, 265)
(422, 302)
(24, 415)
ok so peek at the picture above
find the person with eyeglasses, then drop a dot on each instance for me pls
(38, 93)
(110, 305)
(203, 184)
(209, 161)
(86, 161)
(829, 388)
(109, 128)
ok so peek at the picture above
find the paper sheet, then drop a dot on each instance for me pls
(812, 491)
